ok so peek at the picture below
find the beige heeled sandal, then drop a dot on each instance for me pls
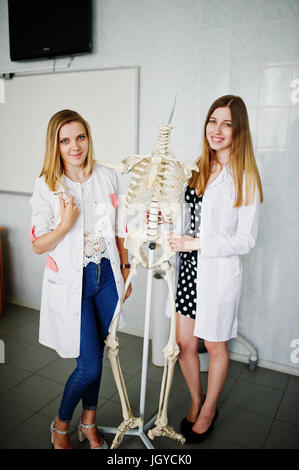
(82, 436)
(53, 429)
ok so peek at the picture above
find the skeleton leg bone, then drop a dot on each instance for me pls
(112, 344)
(170, 352)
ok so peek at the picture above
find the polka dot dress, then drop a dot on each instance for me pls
(186, 289)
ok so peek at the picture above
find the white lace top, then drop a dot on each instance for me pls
(94, 244)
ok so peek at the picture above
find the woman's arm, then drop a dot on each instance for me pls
(46, 242)
(123, 252)
(124, 259)
(239, 243)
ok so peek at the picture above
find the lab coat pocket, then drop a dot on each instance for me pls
(235, 267)
(229, 267)
(56, 298)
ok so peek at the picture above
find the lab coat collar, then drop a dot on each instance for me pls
(70, 181)
(219, 178)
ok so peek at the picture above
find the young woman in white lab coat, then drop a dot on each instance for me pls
(221, 219)
(77, 220)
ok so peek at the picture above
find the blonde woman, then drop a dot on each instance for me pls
(221, 221)
(77, 221)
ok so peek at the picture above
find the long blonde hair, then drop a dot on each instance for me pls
(53, 166)
(242, 158)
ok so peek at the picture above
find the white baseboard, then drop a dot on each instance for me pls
(234, 356)
(10, 300)
(132, 331)
(266, 364)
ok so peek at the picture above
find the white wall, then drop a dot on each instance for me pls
(202, 49)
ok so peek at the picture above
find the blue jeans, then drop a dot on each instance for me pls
(99, 299)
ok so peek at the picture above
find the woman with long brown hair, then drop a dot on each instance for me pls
(221, 219)
(78, 222)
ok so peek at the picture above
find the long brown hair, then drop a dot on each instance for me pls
(53, 166)
(242, 159)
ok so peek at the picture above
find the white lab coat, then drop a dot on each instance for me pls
(226, 233)
(60, 314)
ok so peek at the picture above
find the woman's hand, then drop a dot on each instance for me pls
(183, 242)
(69, 213)
(125, 274)
(50, 240)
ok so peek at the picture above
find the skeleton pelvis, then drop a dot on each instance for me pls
(138, 245)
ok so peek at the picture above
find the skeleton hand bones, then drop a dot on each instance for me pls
(67, 211)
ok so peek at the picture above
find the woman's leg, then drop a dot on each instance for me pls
(88, 363)
(218, 368)
(84, 374)
(61, 441)
(189, 363)
(105, 303)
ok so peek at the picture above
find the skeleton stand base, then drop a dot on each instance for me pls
(140, 432)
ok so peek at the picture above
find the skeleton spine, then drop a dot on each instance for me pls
(152, 226)
(162, 151)
(163, 140)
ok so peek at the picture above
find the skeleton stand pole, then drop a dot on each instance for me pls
(145, 351)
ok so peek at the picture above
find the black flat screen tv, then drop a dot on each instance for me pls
(49, 28)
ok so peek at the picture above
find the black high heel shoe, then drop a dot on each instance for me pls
(186, 425)
(195, 438)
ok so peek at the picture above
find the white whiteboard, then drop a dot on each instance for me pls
(107, 99)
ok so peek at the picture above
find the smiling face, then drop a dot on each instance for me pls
(219, 131)
(73, 144)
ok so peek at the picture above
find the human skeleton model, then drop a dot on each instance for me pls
(157, 178)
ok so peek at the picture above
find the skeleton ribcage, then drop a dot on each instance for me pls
(166, 186)
(138, 191)
(169, 182)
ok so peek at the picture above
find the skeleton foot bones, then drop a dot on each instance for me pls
(158, 180)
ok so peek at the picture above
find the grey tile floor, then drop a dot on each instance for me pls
(257, 409)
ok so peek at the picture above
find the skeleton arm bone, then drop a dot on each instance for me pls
(126, 165)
